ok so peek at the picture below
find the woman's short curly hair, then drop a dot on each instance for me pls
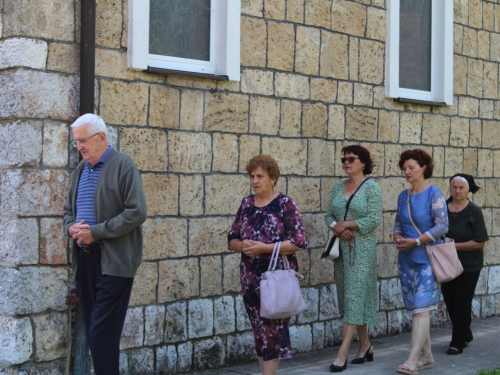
(267, 163)
(421, 157)
(364, 157)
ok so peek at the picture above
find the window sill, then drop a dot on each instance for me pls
(183, 73)
(422, 102)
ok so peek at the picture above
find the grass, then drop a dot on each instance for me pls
(491, 372)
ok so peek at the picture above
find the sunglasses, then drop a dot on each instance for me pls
(350, 159)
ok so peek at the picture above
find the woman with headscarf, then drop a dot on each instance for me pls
(467, 228)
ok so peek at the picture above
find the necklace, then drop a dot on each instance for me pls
(273, 195)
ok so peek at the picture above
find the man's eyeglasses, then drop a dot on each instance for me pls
(350, 159)
(81, 141)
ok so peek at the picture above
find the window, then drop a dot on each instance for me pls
(419, 50)
(190, 37)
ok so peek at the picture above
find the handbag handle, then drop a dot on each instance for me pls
(274, 258)
(409, 212)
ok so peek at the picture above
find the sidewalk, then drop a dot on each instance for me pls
(391, 351)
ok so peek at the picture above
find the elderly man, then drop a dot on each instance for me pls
(103, 214)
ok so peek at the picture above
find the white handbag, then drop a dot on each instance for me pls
(280, 295)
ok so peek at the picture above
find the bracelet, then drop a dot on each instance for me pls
(418, 242)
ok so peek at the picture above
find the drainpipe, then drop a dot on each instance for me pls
(87, 78)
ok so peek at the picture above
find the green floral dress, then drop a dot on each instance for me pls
(356, 271)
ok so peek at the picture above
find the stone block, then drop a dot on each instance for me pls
(387, 260)
(224, 315)
(185, 356)
(314, 120)
(371, 62)
(253, 41)
(191, 195)
(20, 144)
(458, 40)
(496, 167)
(139, 361)
(231, 265)
(363, 95)
(166, 360)
(324, 90)
(459, 133)
(154, 324)
(328, 307)
(64, 58)
(33, 192)
(334, 57)
(16, 339)
(490, 80)
(264, 115)
(274, 9)
(145, 284)
(321, 157)
(435, 129)
(483, 45)
(487, 306)
(388, 219)
(306, 193)
(361, 123)
(495, 47)
(321, 269)
(476, 14)
(60, 95)
(211, 276)
(304, 267)
(486, 109)
(291, 154)
(55, 144)
(176, 322)
(252, 7)
(485, 163)
(475, 78)
(410, 128)
(113, 64)
(189, 152)
(223, 193)
(291, 118)
(326, 188)
(349, 18)
(108, 23)
(164, 238)
(301, 338)
(257, 82)
(317, 12)
(209, 354)
(311, 298)
(164, 107)
(225, 150)
(240, 347)
(470, 42)
(388, 126)
(242, 321)
(161, 192)
(470, 161)
(461, 11)
(336, 122)
(213, 241)
(191, 112)
(124, 103)
(333, 332)
(280, 46)
(460, 78)
(307, 49)
(391, 297)
(249, 147)
(482, 283)
(475, 136)
(53, 244)
(353, 59)
(226, 112)
(23, 52)
(51, 334)
(39, 18)
(19, 242)
(454, 161)
(490, 134)
(375, 26)
(291, 86)
(398, 321)
(489, 16)
(200, 318)
(493, 277)
(178, 279)
(133, 329)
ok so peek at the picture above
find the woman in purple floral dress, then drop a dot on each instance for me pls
(263, 219)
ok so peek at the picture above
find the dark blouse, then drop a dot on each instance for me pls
(467, 225)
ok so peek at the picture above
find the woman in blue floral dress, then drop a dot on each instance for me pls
(263, 219)
(419, 286)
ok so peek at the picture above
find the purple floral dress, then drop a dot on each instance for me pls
(280, 220)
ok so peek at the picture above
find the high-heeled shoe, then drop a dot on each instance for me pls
(367, 357)
(335, 368)
(454, 351)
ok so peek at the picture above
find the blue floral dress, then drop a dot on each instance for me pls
(429, 213)
(279, 220)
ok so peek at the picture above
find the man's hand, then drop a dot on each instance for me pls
(80, 232)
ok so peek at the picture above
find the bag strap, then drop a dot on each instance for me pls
(409, 212)
(274, 258)
(352, 196)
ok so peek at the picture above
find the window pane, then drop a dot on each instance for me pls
(415, 44)
(180, 28)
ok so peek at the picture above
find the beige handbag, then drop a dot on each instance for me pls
(444, 258)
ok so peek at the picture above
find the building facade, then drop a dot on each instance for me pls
(312, 77)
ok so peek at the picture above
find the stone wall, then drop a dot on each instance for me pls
(312, 81)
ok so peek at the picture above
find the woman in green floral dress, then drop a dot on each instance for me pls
(356, 269)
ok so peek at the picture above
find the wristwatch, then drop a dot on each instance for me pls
(333, 224)
(418, 242)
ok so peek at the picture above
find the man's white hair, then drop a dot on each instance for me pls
(96, 123)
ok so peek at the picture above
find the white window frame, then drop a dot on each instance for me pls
(441, 55)
(224, 44)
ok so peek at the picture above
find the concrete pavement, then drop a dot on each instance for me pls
(391, 351)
